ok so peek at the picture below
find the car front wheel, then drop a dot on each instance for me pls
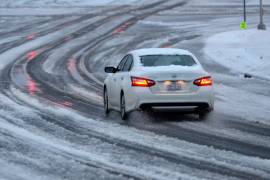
(123, 107)
(105, 100)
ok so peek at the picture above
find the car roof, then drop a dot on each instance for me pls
(160, 51)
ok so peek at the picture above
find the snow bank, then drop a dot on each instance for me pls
(221, 3)
(242, 51)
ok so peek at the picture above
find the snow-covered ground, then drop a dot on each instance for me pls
(67, 3)
(230, 2)
(243, 51)
(81, 3)
(60, 7)
(50, 132)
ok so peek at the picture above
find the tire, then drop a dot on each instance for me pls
(106, 102)
(203, 115)
(123, 107)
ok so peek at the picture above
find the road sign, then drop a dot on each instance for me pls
(243, 25)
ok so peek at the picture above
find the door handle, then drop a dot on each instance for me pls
(122, 78)
(114, 79)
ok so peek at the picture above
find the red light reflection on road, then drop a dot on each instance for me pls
(122, 28)
(118, 30)
(166, 46)
(31, 36)
(31, 55)
(68, 38)
(32, 87)
(68, 104)
(71, 65)
(63, 104)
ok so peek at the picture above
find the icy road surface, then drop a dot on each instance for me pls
(52, 124)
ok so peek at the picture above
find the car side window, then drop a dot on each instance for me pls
(128, 63)
(121, 64)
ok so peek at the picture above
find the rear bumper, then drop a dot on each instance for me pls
(144, 98)
(201, 105)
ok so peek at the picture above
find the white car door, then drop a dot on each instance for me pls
(115, 83)
(125, 81)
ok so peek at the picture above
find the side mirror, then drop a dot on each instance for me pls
(110, 69)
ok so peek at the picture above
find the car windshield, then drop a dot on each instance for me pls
(167, 60)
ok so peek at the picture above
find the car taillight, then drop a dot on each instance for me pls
(204, 81)
(142, 82)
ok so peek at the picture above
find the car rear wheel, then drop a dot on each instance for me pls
(105, 100)
(204, 114)
(123, 107)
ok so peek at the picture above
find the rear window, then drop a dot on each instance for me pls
(167, 60)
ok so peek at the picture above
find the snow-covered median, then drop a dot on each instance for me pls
(245, 51)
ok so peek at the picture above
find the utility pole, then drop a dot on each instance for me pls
(261, 26)
(245, 12)
(243, 24)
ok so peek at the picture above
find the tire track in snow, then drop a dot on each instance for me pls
(61, 25)
(189, 161)
(9, 71)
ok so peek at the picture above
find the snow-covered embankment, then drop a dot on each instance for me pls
(245, 51)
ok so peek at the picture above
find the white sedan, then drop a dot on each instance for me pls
(158, 78)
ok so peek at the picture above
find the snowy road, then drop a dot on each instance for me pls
(52, 124)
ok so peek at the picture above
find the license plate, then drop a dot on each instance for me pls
(173, 86)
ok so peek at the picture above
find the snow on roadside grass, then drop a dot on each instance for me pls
(242, 51)
(178, 148)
